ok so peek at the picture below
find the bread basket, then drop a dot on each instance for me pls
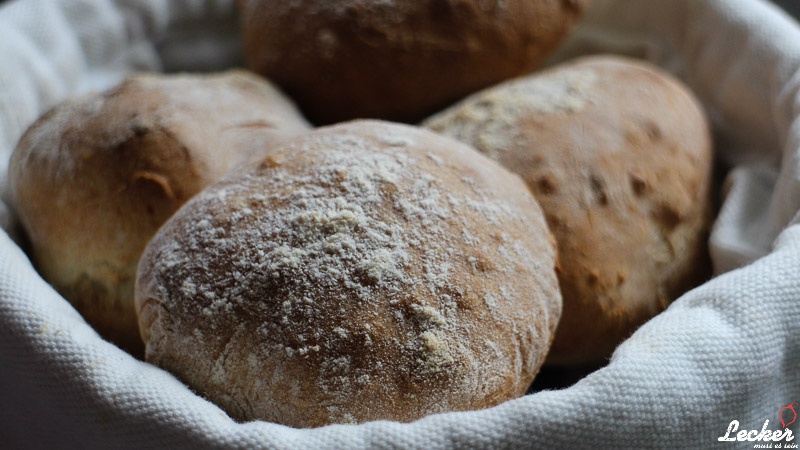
(722, 359)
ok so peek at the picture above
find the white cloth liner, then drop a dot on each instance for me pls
(727, 350)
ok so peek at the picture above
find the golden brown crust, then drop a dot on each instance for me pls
(363, 271)
(619, 156)
(95, 177)
(399, 60)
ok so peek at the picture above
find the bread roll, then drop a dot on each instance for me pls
(397, 60)
(618, 154)
(363, 271)
(95, 177)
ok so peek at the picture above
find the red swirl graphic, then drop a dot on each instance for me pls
(789, 407)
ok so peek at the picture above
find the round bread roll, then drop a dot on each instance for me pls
(363, 271)
(619, 155)
(94, 178)
(397, 60)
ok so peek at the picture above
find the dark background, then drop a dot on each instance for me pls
(793, 6)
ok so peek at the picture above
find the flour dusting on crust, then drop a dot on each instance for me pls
(344, 253)
(497, 109)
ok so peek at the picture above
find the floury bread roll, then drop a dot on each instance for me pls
(95, 177)
(618, 154)
(397, 60)
(363, 271)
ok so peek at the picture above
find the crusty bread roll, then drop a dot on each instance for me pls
(397, 60)
(618, 154)
(363, 271)
(95, 177)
